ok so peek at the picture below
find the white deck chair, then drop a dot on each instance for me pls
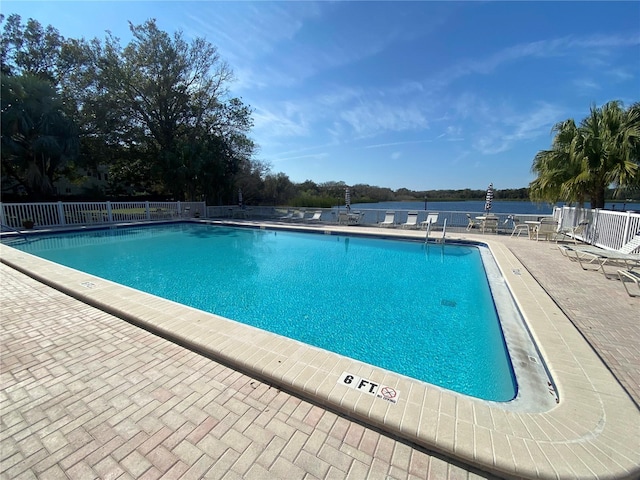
(389, 220)
(548, 229)
(572, 232)
(519, 228)
(472, 223)
(412, 220)
(631, 275)
(288, 216)
(432, 219)
(591, 255)
(298, 216)
(316, 217)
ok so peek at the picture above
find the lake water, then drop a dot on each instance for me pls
(522, 208)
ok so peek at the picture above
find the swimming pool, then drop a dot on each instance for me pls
(423, 311)
(578, 427)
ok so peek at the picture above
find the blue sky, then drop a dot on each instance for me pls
(422, 95)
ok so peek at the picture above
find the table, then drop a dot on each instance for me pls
(350, 218)
(489, 222)
(533, 225)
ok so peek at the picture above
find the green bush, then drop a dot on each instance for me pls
(315, 202)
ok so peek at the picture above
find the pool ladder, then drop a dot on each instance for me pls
(444, 232)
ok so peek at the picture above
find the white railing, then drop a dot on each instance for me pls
(370, 216)
(606, 228)
(57, 214)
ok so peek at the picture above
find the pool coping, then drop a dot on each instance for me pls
(586, 434)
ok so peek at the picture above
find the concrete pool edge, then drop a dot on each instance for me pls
(586, 435)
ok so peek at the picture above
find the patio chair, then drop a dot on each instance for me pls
(572, 232)
(472, 223)
(298, 216)
(389, 220)
(548, 229)
(519, 228)
(316, 217)
(412, 220)
(591, 255)
(631, 275)
(288, 216)
(432, 219)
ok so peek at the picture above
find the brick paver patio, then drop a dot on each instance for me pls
(87, 395)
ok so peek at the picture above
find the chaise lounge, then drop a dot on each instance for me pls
(590, 255)
(389, 220)
(631, 275)
(412, 220)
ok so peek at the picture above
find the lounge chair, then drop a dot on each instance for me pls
(432, 219)
(472, 223)
(389, 220)
(412, 220)
(572, 232)
(591, 255)
(298, 216)
(519, 227)
(316, 217)
(631, 275)
(288, 216)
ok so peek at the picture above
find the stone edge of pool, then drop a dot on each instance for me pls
(586, 435)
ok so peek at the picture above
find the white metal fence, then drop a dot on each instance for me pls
(606, 228)
(57, 214)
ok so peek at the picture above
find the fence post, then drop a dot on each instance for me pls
(109, 212)
(627, 224)
(179, 208)
(61, 219)
(2, 221)
(146, 207)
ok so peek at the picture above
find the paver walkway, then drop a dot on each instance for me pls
(87, 395)
(599, 306)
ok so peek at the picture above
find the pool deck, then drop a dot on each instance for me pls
(87, 395)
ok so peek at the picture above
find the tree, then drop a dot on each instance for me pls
(607, 147)
(279, 189)
(585, 160)
(167, 94)
(558, 168)
(30, 49)
(38, 139)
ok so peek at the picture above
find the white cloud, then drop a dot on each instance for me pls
(508, 130)
(586, 84)
(288, 122)
(395, 144)
(373, 117)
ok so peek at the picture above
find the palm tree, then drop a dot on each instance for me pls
(558, 168)
(603, 151)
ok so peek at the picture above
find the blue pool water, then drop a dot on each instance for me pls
(421, 311)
